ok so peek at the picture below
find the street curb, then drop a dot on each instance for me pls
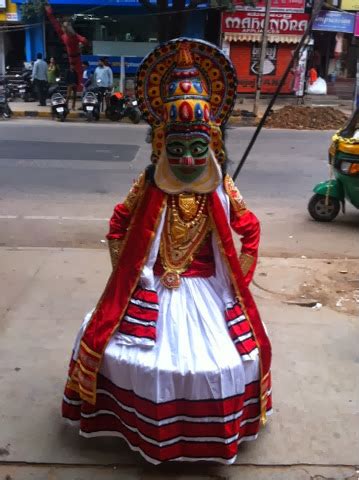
(233, 121)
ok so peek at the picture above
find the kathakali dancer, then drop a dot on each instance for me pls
(174, 359)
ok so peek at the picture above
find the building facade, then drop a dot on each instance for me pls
(242, 32)
(11, 35)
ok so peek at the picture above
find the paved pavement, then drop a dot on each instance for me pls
(46, 292)
(55, 194)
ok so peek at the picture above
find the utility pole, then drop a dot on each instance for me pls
(262, 57)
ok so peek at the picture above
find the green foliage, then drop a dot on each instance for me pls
(222, 4)
(33, 10)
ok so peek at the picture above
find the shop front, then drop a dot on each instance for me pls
(112, 27)
(242, 33)
(11, 36)
(334, 54)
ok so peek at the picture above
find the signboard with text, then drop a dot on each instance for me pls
(131, 63)
(276, 5)
(253, 22)
(331, 21)
(350, 5)
(2, 3)
(270, 61)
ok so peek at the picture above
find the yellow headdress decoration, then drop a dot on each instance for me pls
(186, 85)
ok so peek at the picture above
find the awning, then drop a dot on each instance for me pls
(257, 37)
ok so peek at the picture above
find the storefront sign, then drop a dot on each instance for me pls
(12, 17)
(131, 63)
(253, 22)
(2, 3)
(276, 5)
(350, 5)
(331, 21)
(270, 62)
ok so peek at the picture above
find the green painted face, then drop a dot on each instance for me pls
(187, 155)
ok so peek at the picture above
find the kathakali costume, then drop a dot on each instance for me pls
(174, 358)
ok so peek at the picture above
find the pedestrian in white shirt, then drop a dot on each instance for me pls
(40, 79)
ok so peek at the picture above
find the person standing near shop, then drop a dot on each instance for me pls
(53, 71)
(71, 81)
(103, 78)
(40, 79)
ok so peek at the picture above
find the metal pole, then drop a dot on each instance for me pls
(316, 9)
(262, 57)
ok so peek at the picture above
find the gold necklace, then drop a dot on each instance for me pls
(189, 207)
(181, 240)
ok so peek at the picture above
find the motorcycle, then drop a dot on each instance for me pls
(59, 108)
(5, 110)
(91, 105)
(331, 195)
(26, 88)
(120, 106)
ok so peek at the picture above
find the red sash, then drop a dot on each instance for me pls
(123, 281)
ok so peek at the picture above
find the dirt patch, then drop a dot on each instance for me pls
(312, 118)
(308, 282)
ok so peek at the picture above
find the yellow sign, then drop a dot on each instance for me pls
(10, 13)
(350, 5)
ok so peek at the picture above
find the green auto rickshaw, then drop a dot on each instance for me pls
(329, 196)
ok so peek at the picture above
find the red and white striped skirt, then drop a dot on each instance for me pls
(192, 394)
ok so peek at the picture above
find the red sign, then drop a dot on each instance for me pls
(276, 5)
(253, 22)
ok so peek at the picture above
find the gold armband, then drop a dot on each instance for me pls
(246, 261)
(235, 197)
(115, 247)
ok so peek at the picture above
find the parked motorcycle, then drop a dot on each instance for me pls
(91, 105)
(5, 110)
(26, 88)
(120, 106)
(59, 108)
(332, 194)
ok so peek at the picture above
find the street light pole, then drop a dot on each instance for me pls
(262, 57)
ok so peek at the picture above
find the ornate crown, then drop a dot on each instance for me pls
(186, 85)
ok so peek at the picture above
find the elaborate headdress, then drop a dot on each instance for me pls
(186, 86)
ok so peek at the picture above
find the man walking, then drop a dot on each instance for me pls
(39, 78)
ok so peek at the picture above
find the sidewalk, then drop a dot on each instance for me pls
(31, 109)
(312, 435)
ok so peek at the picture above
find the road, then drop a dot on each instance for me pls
(59, 183)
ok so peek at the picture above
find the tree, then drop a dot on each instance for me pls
(172, 18)
(32, 10)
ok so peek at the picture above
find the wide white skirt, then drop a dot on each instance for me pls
(190, 396)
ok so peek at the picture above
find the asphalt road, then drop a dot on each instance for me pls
(59, 183)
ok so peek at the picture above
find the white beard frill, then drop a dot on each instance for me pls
(207, 182)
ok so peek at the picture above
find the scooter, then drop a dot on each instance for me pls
(91, 105)
(5, 110)
(59, 108)
(121, 106)
(331, 195)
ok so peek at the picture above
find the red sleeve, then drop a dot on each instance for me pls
(247, 226)
(119, 222)
(81, 39)
(55, 23)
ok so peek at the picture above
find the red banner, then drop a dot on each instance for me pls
(276, 5)
(253, 22)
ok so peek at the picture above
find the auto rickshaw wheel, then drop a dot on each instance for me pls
(323, 209)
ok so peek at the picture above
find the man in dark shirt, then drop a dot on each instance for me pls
(71, 81)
